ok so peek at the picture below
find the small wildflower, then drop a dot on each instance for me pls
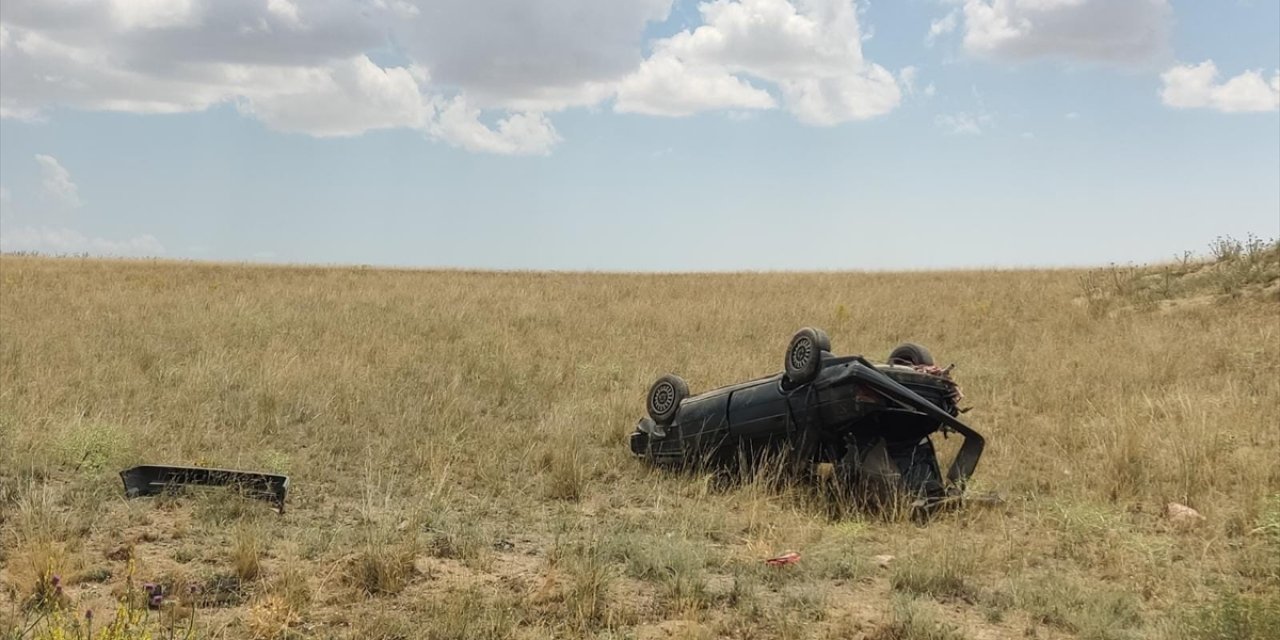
(56, 581)
(156, 601)
(88, 615)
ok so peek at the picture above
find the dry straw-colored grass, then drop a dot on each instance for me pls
(456, 443)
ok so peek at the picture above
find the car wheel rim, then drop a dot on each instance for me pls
(664, 396)
(801, 351)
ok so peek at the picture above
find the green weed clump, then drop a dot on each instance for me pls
(1232, 617)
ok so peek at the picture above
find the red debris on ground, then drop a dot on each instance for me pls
(789, 557)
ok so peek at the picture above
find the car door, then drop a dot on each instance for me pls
(759, 410)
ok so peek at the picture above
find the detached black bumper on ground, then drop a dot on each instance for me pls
(871, 422)
(152, 479)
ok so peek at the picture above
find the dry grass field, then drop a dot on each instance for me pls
(456, 447)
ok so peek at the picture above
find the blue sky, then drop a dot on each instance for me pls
(639, 134)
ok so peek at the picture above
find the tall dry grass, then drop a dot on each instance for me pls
(456, 442)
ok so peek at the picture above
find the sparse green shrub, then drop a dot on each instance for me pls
(675, 564)
(384, 561)
(92, 446)
(807, 600)
(247, 547)
(945, 576)
(1226, 249)
(219, 507)
(567, 472)
(1239, 264)
(467, 614)
(1087, 611)
(908, 621)
(588, 598)
(1234, 268)
(742, 594)
(1232, 617)
(451, 536)
(281, 606)
(1269, 521)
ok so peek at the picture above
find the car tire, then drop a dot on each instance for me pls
(910, 353)
(824, 341)
(804, 355)
(665, 396)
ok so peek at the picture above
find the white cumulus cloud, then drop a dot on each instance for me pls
(942, 26)
(305, 66)
(56, 182)
(810, 53)
(1111, 31)
(517, 134)
(485, 76)
(61, 240)
(345, 98)
(667, 86)
(1198, 86)
(907, 78)
(963, 123)
(170, 56)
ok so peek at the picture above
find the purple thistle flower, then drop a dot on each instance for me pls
(56, 581)
(156, 601)
(88, 615)
(149, 587)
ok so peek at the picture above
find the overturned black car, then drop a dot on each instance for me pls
(871, 422)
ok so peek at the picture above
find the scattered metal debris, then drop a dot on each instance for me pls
(151, 479)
